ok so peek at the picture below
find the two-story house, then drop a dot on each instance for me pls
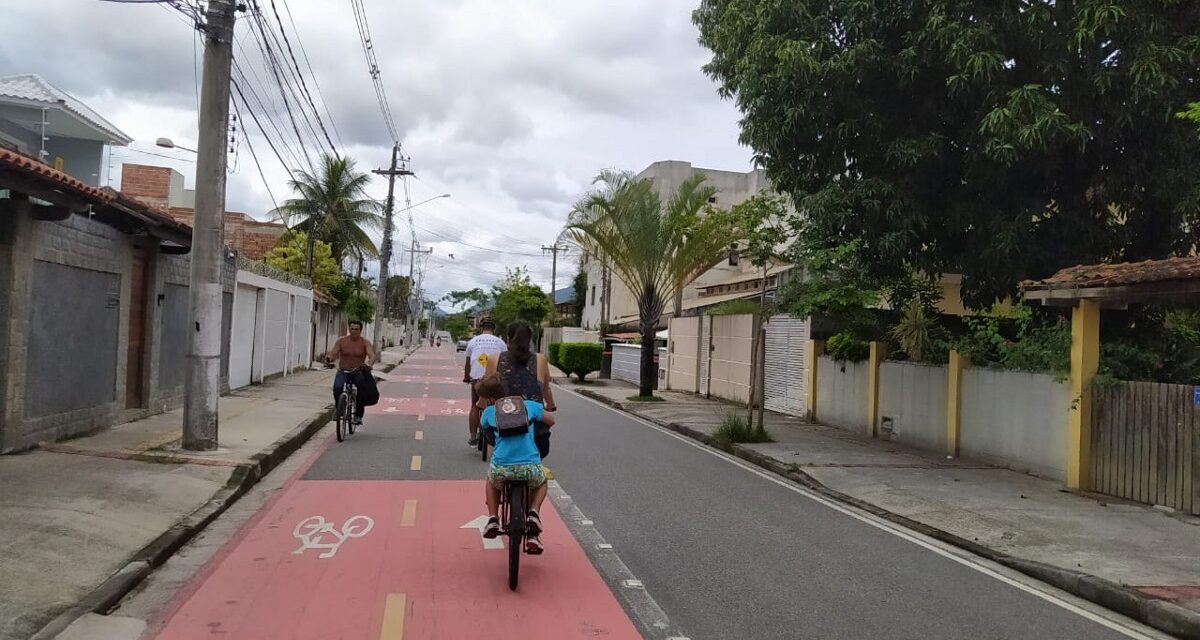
(39, 120)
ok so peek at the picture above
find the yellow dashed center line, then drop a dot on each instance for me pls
(420, 435)
(416, 464)
(408, 518)
(395, 610)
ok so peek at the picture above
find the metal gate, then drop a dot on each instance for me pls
(1146, 444)
(784, 379)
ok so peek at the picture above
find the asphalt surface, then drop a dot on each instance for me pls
(725, 552)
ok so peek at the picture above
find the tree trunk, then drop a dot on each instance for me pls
(754, 366)
(646, 387)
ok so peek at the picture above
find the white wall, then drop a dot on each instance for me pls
(272, 328)
(913, 396)
(842, 393)
(1015, 419)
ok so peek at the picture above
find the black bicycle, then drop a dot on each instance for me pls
(514, 508)
(347, 404)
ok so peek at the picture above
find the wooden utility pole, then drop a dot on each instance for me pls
(385, 247)
(202, 378)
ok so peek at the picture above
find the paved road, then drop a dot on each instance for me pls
(721, 550)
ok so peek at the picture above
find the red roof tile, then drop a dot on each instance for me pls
(1115, 275)
(40, 170)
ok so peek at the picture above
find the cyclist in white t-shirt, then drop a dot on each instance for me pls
(482, 348)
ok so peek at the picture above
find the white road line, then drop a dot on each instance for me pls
(1044, 591)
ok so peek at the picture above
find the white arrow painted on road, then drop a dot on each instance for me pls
(478, 524)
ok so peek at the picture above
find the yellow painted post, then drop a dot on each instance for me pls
(878, 355)
(1085, 361)
(816, 349)
(958, 362)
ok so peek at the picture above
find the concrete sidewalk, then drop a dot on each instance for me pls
(1132, 558)
(82, 522)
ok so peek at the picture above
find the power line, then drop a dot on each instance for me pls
(250, 146)
(273, 63)
(304, 53)
(242, 80)
(299, 74)
(364, 35)
(294, 81)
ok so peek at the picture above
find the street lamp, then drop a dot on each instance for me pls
(168, 143)
(414, 206)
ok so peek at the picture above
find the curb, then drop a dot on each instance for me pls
(1162, 615)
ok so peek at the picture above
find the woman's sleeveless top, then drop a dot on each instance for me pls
(522, 381)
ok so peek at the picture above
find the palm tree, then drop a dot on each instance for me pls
(654, 250)
(334, 202)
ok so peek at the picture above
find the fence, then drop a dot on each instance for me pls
(1015, 419)
(271, 328)
(1145, 442)
(683, 354)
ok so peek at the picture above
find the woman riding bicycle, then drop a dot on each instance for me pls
(525, 374)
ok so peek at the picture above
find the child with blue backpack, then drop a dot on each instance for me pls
(515, 457)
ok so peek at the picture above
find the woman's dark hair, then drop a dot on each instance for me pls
(519, 338)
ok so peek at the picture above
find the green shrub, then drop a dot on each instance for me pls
(915, 332)
(552, 354)
(845, 347)
(734, 429)
(580, 358)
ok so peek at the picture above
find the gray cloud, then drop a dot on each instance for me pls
(511, 107)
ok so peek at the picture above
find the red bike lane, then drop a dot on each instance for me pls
(392, 559)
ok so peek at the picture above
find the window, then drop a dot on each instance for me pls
(593, 294)
(733, 256)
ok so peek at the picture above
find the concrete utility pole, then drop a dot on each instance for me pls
(385, 248)
(203, 375)
(553, 250)
(412, 258)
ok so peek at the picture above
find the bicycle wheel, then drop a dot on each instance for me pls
(516, 531)
(352, 411)
(339, 415)
(483, 444)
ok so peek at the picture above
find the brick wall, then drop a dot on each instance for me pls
(151, 185)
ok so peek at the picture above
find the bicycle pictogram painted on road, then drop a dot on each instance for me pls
(314, 530)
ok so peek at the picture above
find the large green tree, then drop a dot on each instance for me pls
(655, 248)
(579, 295)
(335, 203)
(1000, 140)
(517, 298)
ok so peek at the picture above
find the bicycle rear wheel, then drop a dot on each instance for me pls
(339, 415)
(352, 412)
(483, 443)
(516, 532)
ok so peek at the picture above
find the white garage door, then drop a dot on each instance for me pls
(241, 355)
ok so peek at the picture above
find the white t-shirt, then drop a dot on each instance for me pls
(480, 350)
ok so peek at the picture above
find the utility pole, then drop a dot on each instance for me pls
(412, 258)
(385, 249)
(553, 250)
(203, 374)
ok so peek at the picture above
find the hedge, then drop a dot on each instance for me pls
(552, 354)
(580, 358)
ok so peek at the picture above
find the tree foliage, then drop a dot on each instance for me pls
(478, 298)
(655, 248)
(999, 140)
(457, 325)
(334, 201)
(399, 289)
(517, 298)
(579, 295)
(290, 255)
(355, 297)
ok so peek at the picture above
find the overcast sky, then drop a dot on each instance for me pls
(511, 107)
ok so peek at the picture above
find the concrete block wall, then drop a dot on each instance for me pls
(73, 276)
(842, 393)
(1016, 419)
